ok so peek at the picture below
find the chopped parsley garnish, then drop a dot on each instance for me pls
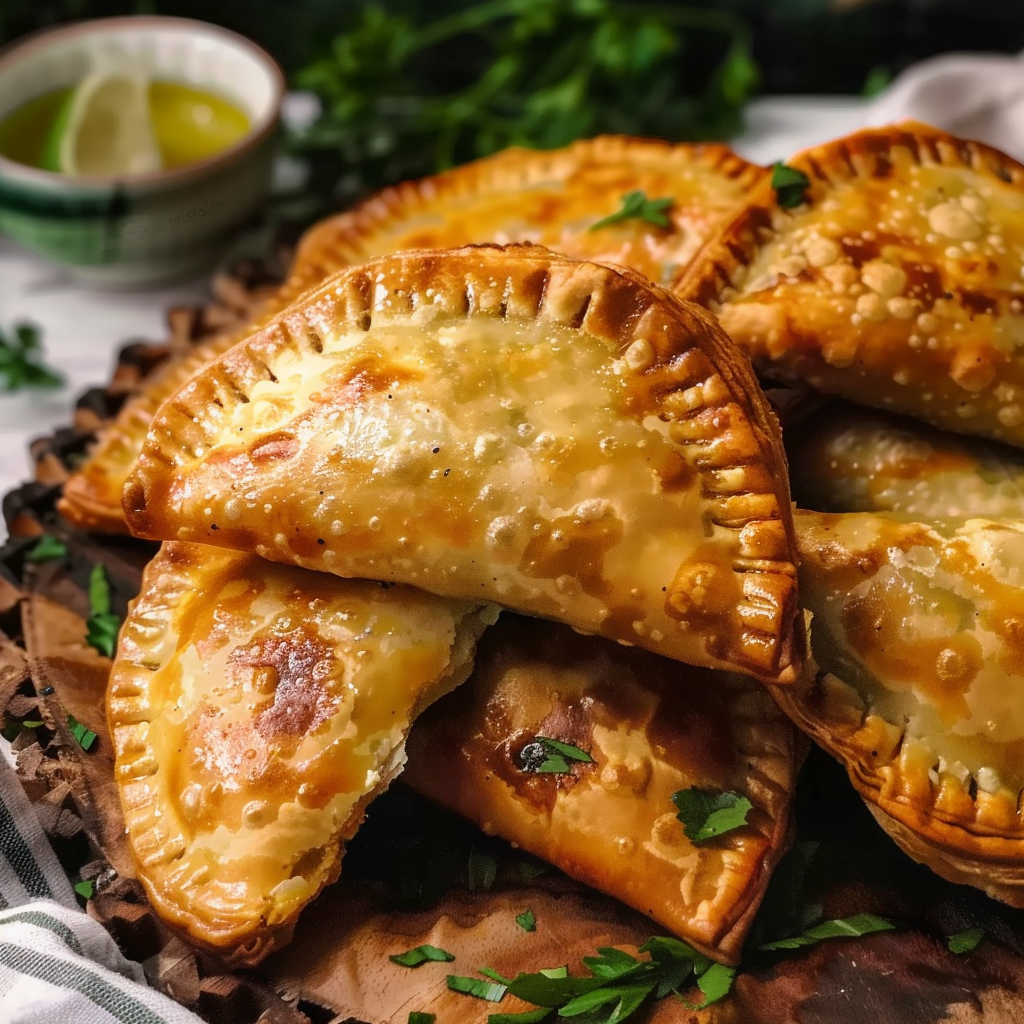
(421, 955)
(102, 625)
(21, 360)
(790, 185)
(635, 205)
(492, 991)
(527, 921)
(417, 1017)
(481, 870)
(84, 736)
(526, 1017)
(531, 869)
(706, 814)
(85, 889)
(966, 941)
(46, 549)
(839, 928)
(545, 755)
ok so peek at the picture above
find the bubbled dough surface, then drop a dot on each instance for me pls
(271, 702)
(924, 626)
(478, 459)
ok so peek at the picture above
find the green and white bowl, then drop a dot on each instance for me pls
(155, 226)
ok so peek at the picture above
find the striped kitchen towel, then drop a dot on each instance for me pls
(57, 965)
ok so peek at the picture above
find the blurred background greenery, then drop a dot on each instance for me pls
(410, 86)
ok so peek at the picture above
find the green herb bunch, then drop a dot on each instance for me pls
(403, 97)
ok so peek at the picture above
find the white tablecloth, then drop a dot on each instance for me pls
(82, 328)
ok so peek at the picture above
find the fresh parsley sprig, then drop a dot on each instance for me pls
(635, 205)
(102, 625)
(47, 549)
(707, 814)
(548, 756)
(420, 955)
(21, 360)
(790, 185)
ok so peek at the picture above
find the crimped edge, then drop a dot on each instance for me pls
(710, 380)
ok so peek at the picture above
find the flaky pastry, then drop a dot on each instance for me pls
(851, 459)
(895, 282)
(917, 632)
(553, 197)
(652, 727)
(501, 424)
(255, 709)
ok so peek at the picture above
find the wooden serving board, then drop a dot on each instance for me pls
(406, 877)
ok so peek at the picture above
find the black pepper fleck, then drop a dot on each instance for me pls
(319, 540)
(213, 526)
(435, 450)
(447, 471)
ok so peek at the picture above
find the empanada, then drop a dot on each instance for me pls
(554, 197)
(851, 459)
(896, 282)
(507, 425)
(653, 727)
(255, 710)
(918, 635)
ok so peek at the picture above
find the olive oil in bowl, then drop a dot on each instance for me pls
(189, 125)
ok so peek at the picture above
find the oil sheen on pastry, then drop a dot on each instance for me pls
(507, 425)
(552, 197)
(255, 711)
(653, 727)
(917, 631)
(852, 459)
(895, 283)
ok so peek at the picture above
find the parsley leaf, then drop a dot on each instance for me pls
(85, 889)
(417, 1017)
(548, 756)
(839, 928)
(492, 991)
(715, 983)
(966, 941)
(706, 814)
(46, 549)
(84, 735)
(481, 869)
(527, 921)
(635, 205)
(21, 362)
(790, 185)
(421, 955)
(526, 1017)
(102, 625)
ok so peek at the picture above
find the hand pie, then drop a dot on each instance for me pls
(555, 197)
(612, 824)
(917, 631)
(895, 282)
(503, 425)
(255, 710)
(851, 459)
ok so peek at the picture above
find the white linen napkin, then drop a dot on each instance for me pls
(58, 965)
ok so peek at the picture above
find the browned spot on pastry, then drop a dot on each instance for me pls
(978, 302)
(567, 546)
(277, 446)
(301, 662)
(371, 374)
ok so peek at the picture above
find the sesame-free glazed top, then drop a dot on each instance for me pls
(554, 197)
(896, 282)
(499, 424)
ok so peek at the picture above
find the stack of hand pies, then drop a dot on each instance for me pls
(546, 477)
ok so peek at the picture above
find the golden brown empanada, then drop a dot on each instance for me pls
(851, 459)
(501, 424)
(896, 283)
(918, 635)
(255, 710)
(653, 727)
(554, 197)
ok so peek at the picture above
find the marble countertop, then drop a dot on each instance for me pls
(83, 328)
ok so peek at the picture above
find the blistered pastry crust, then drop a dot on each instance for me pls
(916, 632)
(255, 709)
(897, 283)
(557, 436)
(553, 197)
(653, 727)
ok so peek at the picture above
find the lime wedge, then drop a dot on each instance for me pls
(104, 127)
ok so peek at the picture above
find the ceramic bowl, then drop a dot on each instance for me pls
(150, 227)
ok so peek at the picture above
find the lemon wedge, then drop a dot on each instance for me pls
(105, 127)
